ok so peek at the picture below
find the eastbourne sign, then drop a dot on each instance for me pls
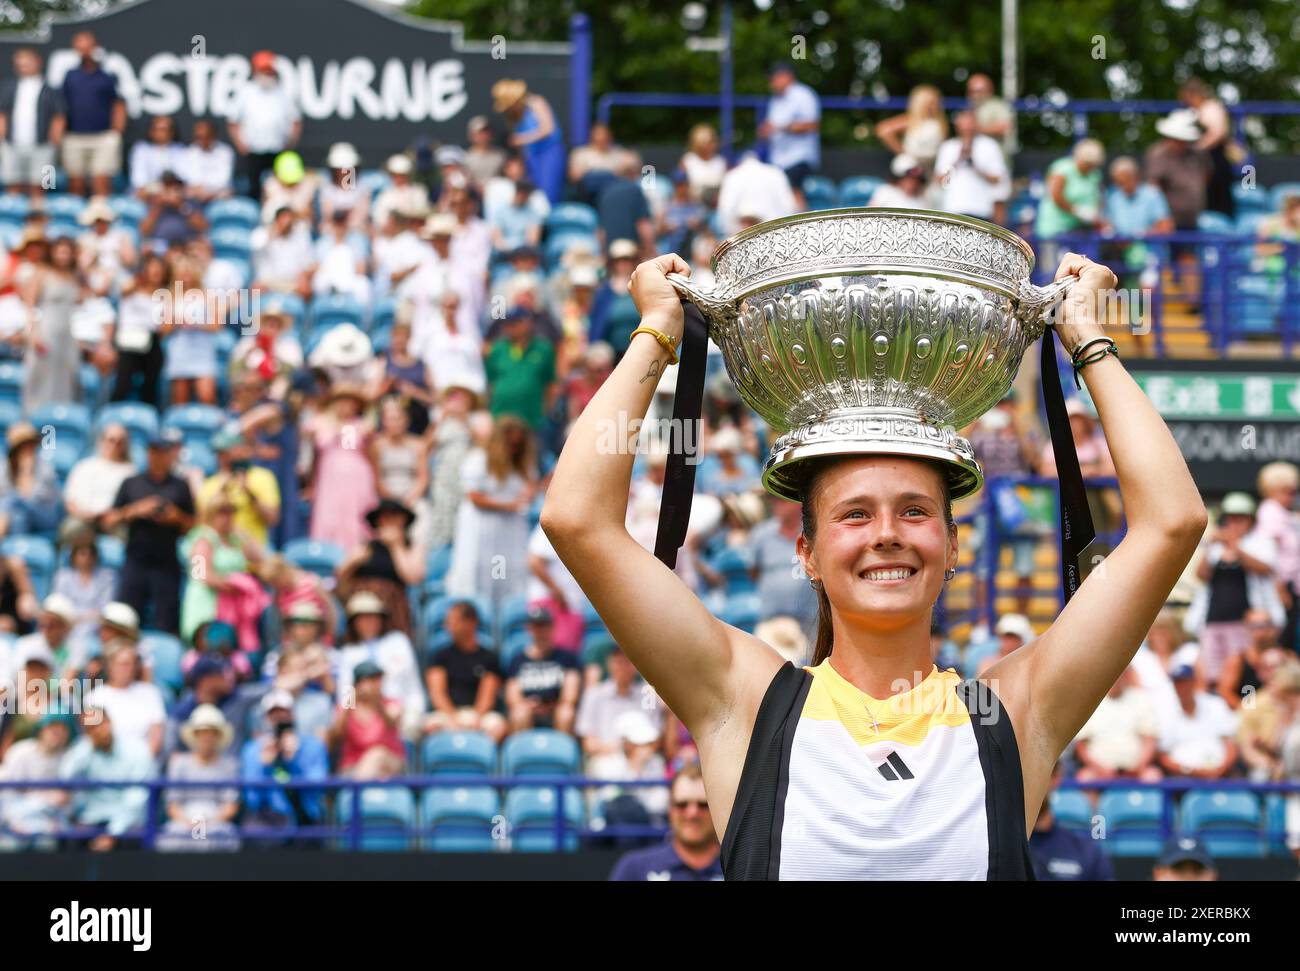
(360, 71)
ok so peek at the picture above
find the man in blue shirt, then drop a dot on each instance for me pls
(96, 118)
(103, 756)
(282, 754)
(691, 852)
(1133, 207)
(791, 126)
(623, 211)
(1063, 854)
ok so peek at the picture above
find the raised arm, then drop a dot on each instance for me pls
(698, 665)
(1055, 682)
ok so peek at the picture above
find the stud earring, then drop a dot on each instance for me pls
(949, 574)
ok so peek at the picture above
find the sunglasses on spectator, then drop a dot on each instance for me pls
(701, 804)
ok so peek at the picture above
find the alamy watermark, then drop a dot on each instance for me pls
(196, 306)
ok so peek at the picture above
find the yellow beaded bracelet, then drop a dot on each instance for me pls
(664, 340)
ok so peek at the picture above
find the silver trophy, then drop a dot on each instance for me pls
(872, 330)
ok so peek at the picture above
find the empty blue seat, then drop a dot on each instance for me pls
(63, 207)
(11, 381)
(14, 207)
(540, 751)
(439, 561)
(1072, 809)
(199, 455)
(112, 551)
(463, 820)
(1133, 819)
(514, 616)
(194, 421)
(1250, 198)
(742, 610)
(532, 814)
(387, 818)
(1228, 822)
(330, 310)
(314, 555)
(10, 412)
(512, 646)
(820, 192)
(459, 753)
(162, 652)
(65, 428)
(130, 210)
(40, 557)
(1215, 222)
(571, 215)
(236, 212)
(139, 419)
(858, 190)
(228, 241)
(383, 313)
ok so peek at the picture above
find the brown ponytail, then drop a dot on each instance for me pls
(815, 467)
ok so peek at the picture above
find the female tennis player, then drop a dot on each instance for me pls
(872, 763)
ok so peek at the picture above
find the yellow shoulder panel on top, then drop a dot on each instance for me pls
(905, 718)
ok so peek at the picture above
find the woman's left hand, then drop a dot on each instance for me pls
(1084, 308)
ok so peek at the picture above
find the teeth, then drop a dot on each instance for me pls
(901, 574)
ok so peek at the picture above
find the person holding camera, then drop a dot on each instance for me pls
(971, 172)
(282, 754)
(252, 488)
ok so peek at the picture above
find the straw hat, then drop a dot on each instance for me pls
(440, 224)
(786, 636)
(507, 93)
(20, 433)
(98, 210)
(205, 717)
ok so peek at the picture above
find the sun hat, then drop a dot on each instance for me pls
(122, 618)
(1180, 125)
(343, 346)
(342, 156)
(507, 93)
(98, 210)
(365, 603)
(1237, 504)
(207, 717)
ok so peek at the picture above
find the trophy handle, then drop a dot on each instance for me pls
(715, 309)
(1034, 303)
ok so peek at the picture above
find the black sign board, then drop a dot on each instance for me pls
(362, 71)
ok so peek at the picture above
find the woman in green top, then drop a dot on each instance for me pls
(215, 551)
(1073, 198)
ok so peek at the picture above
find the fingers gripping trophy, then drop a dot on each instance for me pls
(865, 338)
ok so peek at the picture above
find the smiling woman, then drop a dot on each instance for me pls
(871, 762)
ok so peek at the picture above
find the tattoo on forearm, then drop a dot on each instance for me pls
(652, 371)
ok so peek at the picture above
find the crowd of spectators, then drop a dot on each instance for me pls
(292, 533)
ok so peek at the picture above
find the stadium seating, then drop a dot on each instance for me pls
(330, 310)
(38, 554)
(1229, 822)
(289, 304)
(387, 818)
(532, 812)
(112, 551)
(540, 751)
(1279, 193)
(742, 610)
(199, 455)
(462, 820)
(458, 753)
(231, 242)
(195, 421)
(1133, 819)
(857, 191)
(734, 566)
(236, 212)
(820, 192)
(512, 646)
(140, 420)
(1215, 222)
(63, 208)
(162, 653)
(571, 216)
(1072, 810)
(11, 381)
(130, 210)
(65, 429)
(315, 556)
(383, 313)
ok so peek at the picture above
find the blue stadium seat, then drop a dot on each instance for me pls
(14, 207)
(198, 454)
(70, 440)
(237, 212)
(1250, 198)
(459, 753)
(742, 610)
(439, 561)
(314, 555)
(63, 229)
(231, 241)
(462, 819)
(1072, 809)
(858, 190)
(63, 207)
(11, 384)
(513, 645)
(571, 215)
(373, 181)
(1215, 222)
(383, 313)
(387, 818)
(330, 310)
(162, 652)
(734, 565)
(557, 245)
(286, 303)
(1228, 822)
(514, 616)
(1248, 220)
(531, 812)
(540, 751)
(1275, 820)
(140, 420)
(194, 421)
(820, 192)
(38, 553)
(130, 210)
(1280, 191)
(112, 551)
(1133, 821)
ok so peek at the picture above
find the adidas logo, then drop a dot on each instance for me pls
(894, 768)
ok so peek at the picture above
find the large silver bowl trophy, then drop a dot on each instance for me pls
(871, 330)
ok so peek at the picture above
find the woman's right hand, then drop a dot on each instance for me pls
(659, 304)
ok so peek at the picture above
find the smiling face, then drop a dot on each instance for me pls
(881, 538)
